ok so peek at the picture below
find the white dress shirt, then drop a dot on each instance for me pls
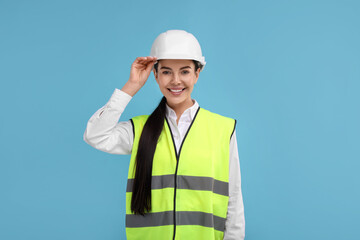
(104, 132)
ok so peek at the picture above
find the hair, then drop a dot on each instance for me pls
(197, 65)
(141, 192)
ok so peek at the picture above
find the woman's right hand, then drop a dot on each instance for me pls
(139, 73)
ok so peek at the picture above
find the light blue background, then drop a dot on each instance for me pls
(288, 71)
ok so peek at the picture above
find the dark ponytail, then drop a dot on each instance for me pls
(141, 192)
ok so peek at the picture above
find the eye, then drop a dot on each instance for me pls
(185, 72)
(166, 72)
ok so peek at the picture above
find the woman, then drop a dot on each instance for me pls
(184, 175)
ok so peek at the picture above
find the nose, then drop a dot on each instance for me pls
(176, 79)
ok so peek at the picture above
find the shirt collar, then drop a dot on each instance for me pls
(189, 113)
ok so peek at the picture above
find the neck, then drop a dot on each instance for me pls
(181, 107)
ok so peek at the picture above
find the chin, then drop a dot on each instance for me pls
(173, 100)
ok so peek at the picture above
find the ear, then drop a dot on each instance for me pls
(155, 76)
(197, 73)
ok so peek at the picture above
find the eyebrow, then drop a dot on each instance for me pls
(171, 69)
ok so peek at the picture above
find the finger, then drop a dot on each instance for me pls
(150, 65)
(146, 59)
(139, 59)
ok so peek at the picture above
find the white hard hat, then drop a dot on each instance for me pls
(177, 44)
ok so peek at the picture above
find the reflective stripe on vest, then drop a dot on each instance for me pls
(189, 190)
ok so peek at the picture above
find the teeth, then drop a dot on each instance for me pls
(173, 90)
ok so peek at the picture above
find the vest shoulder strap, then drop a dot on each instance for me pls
(217, 119)
(138, 123)
(220, 120)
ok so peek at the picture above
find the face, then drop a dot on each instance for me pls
(176, 79)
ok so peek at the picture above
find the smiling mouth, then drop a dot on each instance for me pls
(176, 90)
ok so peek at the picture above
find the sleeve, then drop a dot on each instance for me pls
(235, 221)
(104, 132)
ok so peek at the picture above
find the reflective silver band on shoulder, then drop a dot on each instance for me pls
(186, 182)
(182, 218)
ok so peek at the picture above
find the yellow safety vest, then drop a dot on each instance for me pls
(189, 190)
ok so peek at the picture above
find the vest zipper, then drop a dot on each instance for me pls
(177, 163)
